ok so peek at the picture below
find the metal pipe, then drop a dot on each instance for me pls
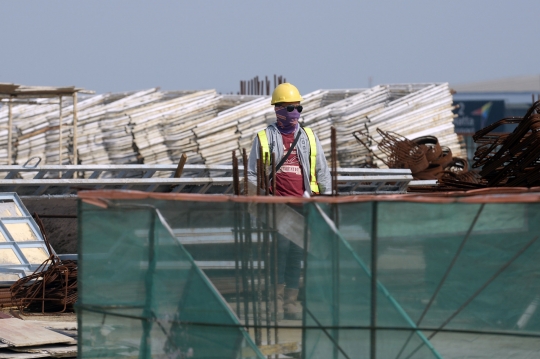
(245, 163)
(146, 343)
(236, 184)
(254, 306)
(236, 262)
(374, 248)
(267, 275)
(75, 132)
(60, 132)
(259, 269)
(335, 280)
(10, 129)
(245, 286)
(304, 287)
(275, 267)
(334, 160)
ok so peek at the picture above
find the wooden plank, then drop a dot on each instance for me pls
(180, 168)
(8, 354)
(18, 333)
(55, 351)
(51, 324)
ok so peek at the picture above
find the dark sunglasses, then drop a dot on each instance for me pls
(291, 108)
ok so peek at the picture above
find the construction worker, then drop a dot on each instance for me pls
(299, 172)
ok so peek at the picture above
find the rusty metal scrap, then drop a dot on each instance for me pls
(504, 160)
(424, 156)
(5, 298)
(511, 160)
(51, 288)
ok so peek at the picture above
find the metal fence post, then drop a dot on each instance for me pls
(374, 245)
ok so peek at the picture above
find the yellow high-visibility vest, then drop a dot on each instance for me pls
(265, 155)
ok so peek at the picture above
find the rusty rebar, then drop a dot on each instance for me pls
(245, 161)
(52, 288)
(236, 180)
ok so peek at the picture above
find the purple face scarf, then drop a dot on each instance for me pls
(286, 121)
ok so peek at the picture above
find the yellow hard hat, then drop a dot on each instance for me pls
(285, 92)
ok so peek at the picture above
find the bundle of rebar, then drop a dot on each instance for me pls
(52, 288)
(510, 160)
(503, 159)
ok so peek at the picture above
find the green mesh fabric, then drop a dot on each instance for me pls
(143, 296)
(485, 307)
(338, 294)
(453, 280)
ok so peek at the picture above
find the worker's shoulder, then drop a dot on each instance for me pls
(308, 131)
(270, 128)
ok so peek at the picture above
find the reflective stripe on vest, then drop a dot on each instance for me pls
(312, 160)
(263, 140)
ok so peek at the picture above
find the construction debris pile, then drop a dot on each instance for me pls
(156, 127)
(511, 159)
(424, 156)
(504, 160)
(51, 288)
(37, 289)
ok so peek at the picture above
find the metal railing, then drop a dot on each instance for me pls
(68, 179)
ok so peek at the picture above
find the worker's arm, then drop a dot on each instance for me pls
(252, 165)
(323, 172)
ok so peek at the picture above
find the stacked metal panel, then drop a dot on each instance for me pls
(424, 111)
(156, 127)
(179, 123)
(410, 110)
(235, 128)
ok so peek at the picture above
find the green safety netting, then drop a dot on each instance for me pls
(452, 279)
(141, 295)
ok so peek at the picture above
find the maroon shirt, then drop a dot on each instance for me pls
(289, 178)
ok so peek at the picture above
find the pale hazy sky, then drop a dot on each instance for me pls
(131, 44)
